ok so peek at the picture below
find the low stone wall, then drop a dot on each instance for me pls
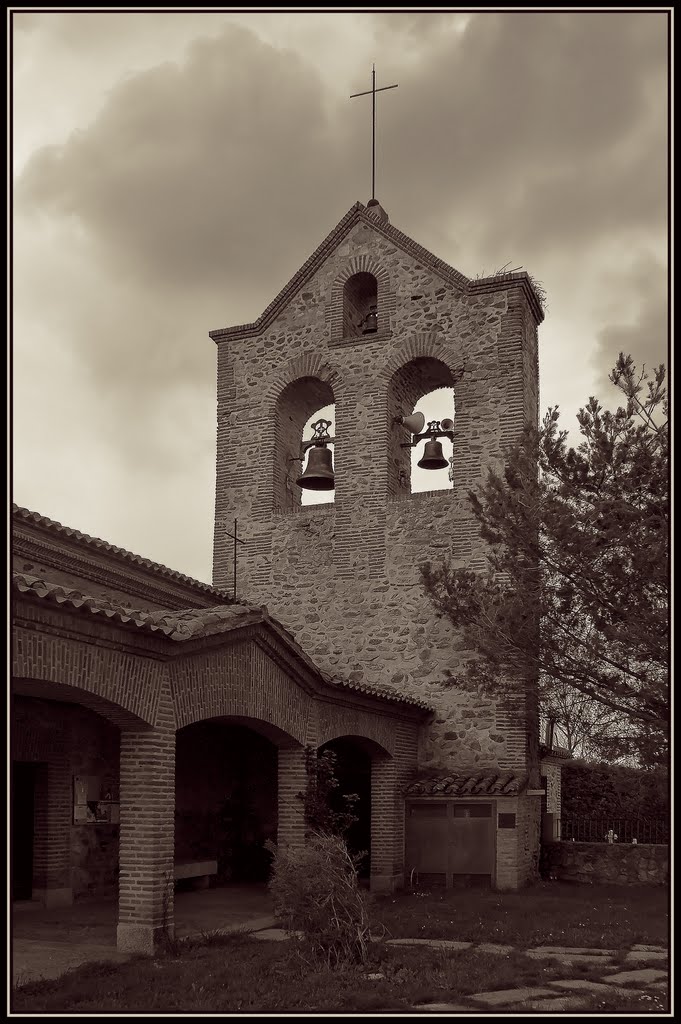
(599, 863)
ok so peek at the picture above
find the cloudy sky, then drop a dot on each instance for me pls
(173, 170)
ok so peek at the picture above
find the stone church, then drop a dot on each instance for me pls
(160, 726)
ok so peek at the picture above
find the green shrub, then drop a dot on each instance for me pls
(317, 898)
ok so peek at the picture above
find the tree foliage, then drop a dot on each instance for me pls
(613, 791)
(327, 810)
(577, 586)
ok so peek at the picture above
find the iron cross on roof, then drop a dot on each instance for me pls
(372, 92)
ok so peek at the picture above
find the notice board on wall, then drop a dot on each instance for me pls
(90, 805)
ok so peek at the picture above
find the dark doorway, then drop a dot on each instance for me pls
(23, 798)
(225, 800)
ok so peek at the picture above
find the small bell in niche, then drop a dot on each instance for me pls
(370, 325)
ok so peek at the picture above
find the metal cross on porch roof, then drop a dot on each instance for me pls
(372, 92)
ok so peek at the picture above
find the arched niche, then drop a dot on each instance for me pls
(360, 301)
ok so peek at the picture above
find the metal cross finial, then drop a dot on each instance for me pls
(237, 540)
(372, 92)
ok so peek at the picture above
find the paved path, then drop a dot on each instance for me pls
(645, 970)
(646, 973)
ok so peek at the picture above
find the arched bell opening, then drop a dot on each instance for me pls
(301, 404)
(423, 386)
(436, 406)
(226, 803)
(353, 775)
(360, 305)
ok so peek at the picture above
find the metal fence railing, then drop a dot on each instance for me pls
(595, 830)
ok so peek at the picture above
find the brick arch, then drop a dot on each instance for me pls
(241, 681)
(376, 732)
(369, 746)
(386, 297)
(50, 689)
(431, 345)
(110, 681)
(310, 364)
(265, 728)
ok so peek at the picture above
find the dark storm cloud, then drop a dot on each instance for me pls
(202, 186)
(522, 115)
(645, 336)
(200, 174)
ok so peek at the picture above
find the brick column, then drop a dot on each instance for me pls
(506, 877)
(387, 827)
(292, 780)
(146, 880)
(52, 833)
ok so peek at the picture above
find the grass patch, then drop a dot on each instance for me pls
(235, 974)
(549, 913)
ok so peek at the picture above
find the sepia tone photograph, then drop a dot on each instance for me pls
(339, 511)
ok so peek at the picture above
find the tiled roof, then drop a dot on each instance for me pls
(178, 625)
(380, 691)
(355, 214)
(467, 784)
(188, 624)
(120, 553)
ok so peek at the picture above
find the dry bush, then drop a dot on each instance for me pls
(316, 894)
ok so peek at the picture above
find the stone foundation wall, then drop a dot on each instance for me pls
(601, 863)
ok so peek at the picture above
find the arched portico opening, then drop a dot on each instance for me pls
(353, 769)
(65, 792)
(227, 796)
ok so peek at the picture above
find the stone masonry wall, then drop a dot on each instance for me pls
(601, 863)
(344, 578)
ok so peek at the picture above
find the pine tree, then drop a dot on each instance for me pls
(577, 590)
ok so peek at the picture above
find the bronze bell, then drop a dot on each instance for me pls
(370, 325)
(432, 456)
(318, 475)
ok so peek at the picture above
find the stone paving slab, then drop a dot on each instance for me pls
(438, 943)
(641, 947)
(646, 955)
(582, 985)
(570, 958)
(440, 1008)
(493, 947)
(574, 949)
(507, 996)
(643, 977)
(561, 1004)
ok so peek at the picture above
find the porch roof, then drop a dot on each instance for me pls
(191, 624)
(469, 784)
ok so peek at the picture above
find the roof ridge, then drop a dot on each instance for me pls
(128, 556)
